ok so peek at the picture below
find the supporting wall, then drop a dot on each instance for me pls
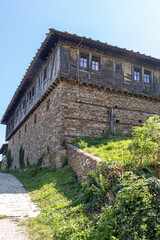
(74, 111)
(41, 130)
(87, 111)
(81, 162)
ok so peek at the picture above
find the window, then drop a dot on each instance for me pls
(32, 94)
(24, 104)
(95, 63)
(17, 113)
(146, 77)
(12, 122)
(45, 74)
(137, 75)
(39, 83)
(83, 61)
(29, 96)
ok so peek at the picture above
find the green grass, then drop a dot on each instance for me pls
(70, 211)
(55, 193)
(120, 201)
(110, 148)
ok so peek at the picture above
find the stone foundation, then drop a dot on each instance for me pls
(81, 162)
(74, 111)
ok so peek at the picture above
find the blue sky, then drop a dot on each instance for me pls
(23, 24)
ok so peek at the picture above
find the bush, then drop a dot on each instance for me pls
(21, 158)
(39, 161)
(9, 159)
(145, 146)
(129, 205)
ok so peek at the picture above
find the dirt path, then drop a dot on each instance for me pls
(15, 204)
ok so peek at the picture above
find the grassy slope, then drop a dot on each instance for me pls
(55, 193)
(109, 148)
(66, 215)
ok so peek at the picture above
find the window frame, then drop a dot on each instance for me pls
(94, 59)
(83, 55)
(147, 73)
(45, 73)
(137, 70)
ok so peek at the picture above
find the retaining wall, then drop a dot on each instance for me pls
(81, 162)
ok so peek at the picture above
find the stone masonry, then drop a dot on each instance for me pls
(81, 162)
(76, 111)
(77, 87)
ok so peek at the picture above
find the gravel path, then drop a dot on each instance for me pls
(15, 203)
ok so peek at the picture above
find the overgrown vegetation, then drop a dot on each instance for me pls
(9, 159)
(40, 160)
(142, 146)
(21, 158)
(120, 201)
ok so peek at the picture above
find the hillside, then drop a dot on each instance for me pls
(121, 200)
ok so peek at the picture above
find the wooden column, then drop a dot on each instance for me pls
(101, 69)
(77, 67)
(122, 80)
(152, 81)
(114, 71)
(142, 84)
(69, 61)
(132, 76)
(90, 65)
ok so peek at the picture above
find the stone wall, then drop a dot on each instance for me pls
(74, 111)
(86, 111)
(81, 162)
(4, 163)
(40, 131)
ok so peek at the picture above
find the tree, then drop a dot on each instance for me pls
(9, 159)
(21, 158)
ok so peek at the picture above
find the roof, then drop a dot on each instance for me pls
(49, 43)
(4, 148)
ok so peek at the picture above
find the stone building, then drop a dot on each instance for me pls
(3, 152)
(77, 87)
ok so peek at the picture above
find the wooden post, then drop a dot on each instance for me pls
(69, 61)
(142, 83)
(132, 76)
(77, 68)
(157, 83)
(101, 69)
(90, 65)
(152, 81)
(114, 71)
(122, 80)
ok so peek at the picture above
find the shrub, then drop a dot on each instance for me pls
(21, 158)
(129, 205)
(65, 162)
(39, 161)
(145, 146)
(28, 163)
(98, 190)
(9, 159)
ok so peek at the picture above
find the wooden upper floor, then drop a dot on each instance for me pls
(84, 60)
